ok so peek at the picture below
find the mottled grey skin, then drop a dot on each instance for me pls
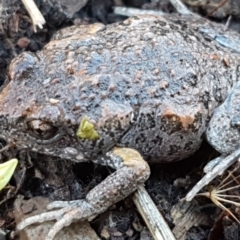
(223, 132)
(144, 84)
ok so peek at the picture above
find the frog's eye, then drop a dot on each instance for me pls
(41, 129)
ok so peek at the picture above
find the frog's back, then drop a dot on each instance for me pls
(136, 61)
(170, 76)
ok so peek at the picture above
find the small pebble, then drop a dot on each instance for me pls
(129, 232)
(23, 42)
(117, 234)
(105, 234)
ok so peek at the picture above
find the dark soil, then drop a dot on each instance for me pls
(66, 180)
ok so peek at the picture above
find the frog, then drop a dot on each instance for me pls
(141, 90)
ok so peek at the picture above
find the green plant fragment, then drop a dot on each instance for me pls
(6, 171)
(86, 130)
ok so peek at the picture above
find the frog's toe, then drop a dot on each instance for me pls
(71, 211)
(212, 164)
(48, 216)
(64, 204)
(69, 216)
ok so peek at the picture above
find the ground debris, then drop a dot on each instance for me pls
(185, 216)
(36, 205)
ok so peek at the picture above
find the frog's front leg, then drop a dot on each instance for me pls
(132, 170)
(223, 134)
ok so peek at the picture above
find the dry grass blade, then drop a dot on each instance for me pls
(36, 16)
(151, 215)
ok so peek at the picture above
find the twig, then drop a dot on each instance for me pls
(226, 27)
(129, 12)
(180, 7)
(36, 16)
(218, 6)
(152, 217)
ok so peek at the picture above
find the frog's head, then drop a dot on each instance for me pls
(223, 132)
(51, 116)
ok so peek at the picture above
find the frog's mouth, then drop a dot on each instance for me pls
(54, 139)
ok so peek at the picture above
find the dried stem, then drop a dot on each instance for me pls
(36, 16)
(152, 217)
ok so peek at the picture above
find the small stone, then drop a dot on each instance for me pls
(27, 208)
(23, 42)
(105, 234)
(117, 234)
(137, 226)
(129, 232)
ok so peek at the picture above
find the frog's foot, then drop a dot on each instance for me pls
(132, 170)
(214, 171)
(213, 163)
(70, 212)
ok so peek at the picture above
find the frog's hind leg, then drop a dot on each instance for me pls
(132, 170)
(213, 163)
